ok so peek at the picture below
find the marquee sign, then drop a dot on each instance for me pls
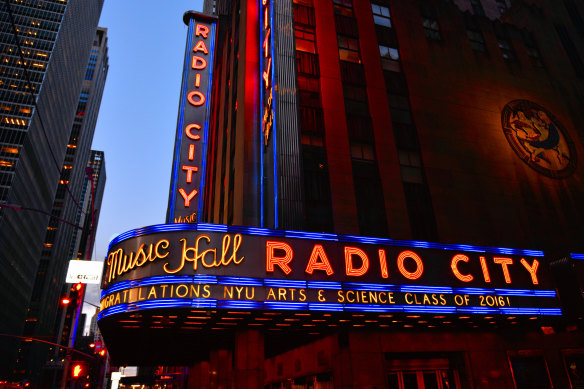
(216, 266)
(188, 168)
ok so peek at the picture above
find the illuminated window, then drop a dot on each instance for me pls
(5, 163)
(11, 150)
(349, 49)
(506, 49)
(305, 39)
(381, 15)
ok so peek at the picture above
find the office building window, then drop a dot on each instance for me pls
(346, 25)
(502, 6)
(381, 15)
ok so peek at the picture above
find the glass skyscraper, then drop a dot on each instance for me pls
(40, 91)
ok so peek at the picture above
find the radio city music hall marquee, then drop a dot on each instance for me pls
(216, 266)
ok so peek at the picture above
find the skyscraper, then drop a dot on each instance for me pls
(40, 94)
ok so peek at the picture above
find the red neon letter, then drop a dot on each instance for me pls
(199, 63)
(200, 46)
(485, 269)
(201, 30)
(315, 264)
(504, 262)
(191, 152)
(198, 80)
(454, 265)
(282, 262)
(188, 197)
(190, 134)
(190, 170)
(266, 43)
(531, 269)
(419, 265)
(383, 264)
(201, 97)
(350, 270)
(266, 74)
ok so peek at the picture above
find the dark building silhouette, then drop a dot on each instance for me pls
(50, 99)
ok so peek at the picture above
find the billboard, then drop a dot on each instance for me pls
(217, 266)
(85, 272)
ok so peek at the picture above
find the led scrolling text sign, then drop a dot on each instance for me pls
(190, 147)
(247, 270)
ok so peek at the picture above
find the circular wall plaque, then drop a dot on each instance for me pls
(538, 138)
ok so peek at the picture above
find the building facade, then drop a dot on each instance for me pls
(336, 130)
(40, 99)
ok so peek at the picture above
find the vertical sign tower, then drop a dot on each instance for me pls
(190, 149)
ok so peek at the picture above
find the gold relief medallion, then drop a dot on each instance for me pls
(538, 138)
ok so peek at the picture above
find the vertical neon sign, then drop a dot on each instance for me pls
(268, 117)
(188, 168)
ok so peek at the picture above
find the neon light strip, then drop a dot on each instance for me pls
(238, 304)
(577, 256)
(180, 125)
(312, 235)
(274, 140)
(206, 129)
(261, 135)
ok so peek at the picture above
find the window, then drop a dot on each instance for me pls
(346, 25)
(348, 49)
(411, 166)
(506, 49)
(307, 63)
(369, 198)
(570, 49)
(317, 195)
(477, 7)
(431, 28)
(304, 15)
(532, 50)
(476, 41)
(381, 15)
(352, 73)
(305, 39)
(389, 58)
(502, 6)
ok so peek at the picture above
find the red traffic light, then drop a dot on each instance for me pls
(65, 300)
(91, 345)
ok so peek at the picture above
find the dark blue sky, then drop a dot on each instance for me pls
(137, 119)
